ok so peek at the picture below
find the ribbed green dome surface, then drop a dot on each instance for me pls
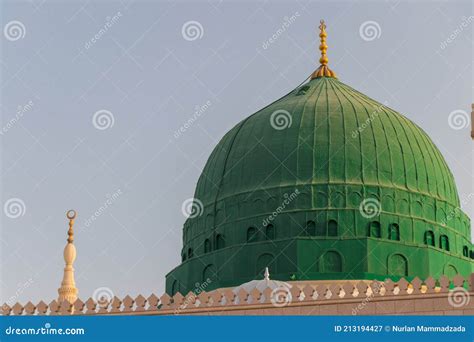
(325, 132)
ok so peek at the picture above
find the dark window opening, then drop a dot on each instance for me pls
(220, 243)
(444, 242)
(251, 234)
(332, 228)
(270, 232)
(394, 232)
(207, 246)
(374, 229)
(429, 238)
(310, 228)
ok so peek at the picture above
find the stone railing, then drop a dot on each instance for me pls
(304, 297)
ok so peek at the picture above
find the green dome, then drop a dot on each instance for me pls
(292, 187)
(336, 136)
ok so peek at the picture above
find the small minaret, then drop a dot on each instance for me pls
(266, 275)
(68, 290)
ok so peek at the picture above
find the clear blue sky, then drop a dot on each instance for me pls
(150, 76)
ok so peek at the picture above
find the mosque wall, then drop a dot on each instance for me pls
(429, 297)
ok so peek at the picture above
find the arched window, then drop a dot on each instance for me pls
(270, 232)
(397, 265)
(310, 228)
(183, 257)
(471, 254)
(394, 232)
(450, 271)
(331, 262)
(207, 246)
(332, 228)
(374, 229)
(444, 242)
(465, 251)
(251, 234)
(190, 253)
(220, 243)
(429, 238)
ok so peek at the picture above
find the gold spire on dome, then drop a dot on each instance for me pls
(68, 290)
(323, 70)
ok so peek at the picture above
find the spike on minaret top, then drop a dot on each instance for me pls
(71, 215)
(323, 70)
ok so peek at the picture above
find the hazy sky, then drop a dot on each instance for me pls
(144, 67)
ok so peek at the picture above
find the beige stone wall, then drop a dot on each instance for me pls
(428, 297)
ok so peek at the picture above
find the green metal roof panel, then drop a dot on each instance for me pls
(337, 135)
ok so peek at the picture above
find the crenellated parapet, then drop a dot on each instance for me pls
(429, 296)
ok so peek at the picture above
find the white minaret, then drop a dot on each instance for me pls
(68, 290)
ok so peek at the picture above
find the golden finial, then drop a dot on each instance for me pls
(71, 215)
(323, 70)
(68, 290)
